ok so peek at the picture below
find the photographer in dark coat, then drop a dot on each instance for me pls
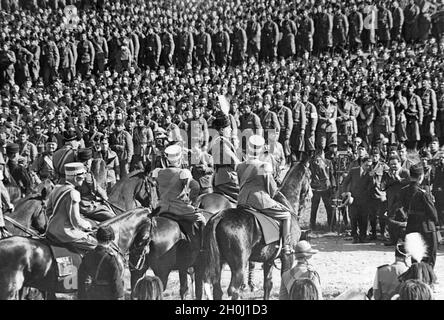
(100, 273)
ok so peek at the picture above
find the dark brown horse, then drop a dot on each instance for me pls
(29, 262)
(133, 191)
(236, 239)
(213, 202)
(158, 244)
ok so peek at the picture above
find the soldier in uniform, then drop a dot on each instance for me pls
(239, 45)
(50, 60)
(415, 115)
(27, 150)
(297, 139)
(93, 198)
(269, 39)
(168, 48)
(323, 183)
(101, 51)
(398, 21)
(38, 138)
(385, 118)
(225, 159)
(15, 165)
(385, 24)
(323, 35)
(197, 130)
(356, 25)
(326, 131)
(437, 181)
(421, 212)
(386, 283)
(122, 143)
(250, 124)
(7, 61)
(400, 105)
(101, 271)
(143, 140)
(151, 49)
(202, 46)
(258, 189)
(253, 31)
(340, 30)
(311, 116)
(346, 121)
(221, 47)
(411, 14)
(86, 52)
(287, 45)
(65, 223)
(185, 47)
(202, 168)
(269, 119)
(175, 187)
(285, 118)
(66, 154)
(104, 152)
(304, 38)
(430, 111)
(43, 166)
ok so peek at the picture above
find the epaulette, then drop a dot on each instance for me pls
(384, 265)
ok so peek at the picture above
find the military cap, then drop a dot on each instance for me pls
(84, 154)
(173, 152)
(12, 148)
(221, 121)
(69, 135)
(105, 234)
(74, 169)
(416, 170)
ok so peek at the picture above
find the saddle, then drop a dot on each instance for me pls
(270, 227)
(67, 260)
(188, 226)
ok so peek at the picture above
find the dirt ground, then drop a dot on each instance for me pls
(340, 264)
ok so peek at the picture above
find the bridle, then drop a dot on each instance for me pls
(142, 258)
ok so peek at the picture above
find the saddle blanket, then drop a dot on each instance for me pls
(270, 227)
(67, 266)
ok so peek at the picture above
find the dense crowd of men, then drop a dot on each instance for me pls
(353, 85)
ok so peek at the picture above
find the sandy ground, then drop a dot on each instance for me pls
(340, 264)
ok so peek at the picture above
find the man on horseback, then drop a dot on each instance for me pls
(175, 188)
(66, 154)
(92, 204)
(65, 223)
(258, 188)
(225, 179)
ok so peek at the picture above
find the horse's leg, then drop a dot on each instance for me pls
(198, 280)
(268, 283)
(183, 278)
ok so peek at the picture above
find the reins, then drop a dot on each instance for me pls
(141, 261)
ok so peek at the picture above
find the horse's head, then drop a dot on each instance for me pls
(147, 193)
(45, 188)
(140, 245)
(39, 219)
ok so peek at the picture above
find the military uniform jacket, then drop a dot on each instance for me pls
(398, 18)
(168, 45)
(86, 51)
(186, 43)
(44, 167)
(254, 31)
(239, 40)
(221, 43)
(306, 29)
(269, 120)
(65, 223)
(172, 182)
(225, 160)
(419, 207)
(356, 25)
(50, 54)
(153, 45)
(100, 46)
(311, 116)
(299, 116)
(385, 23)
(285, 118)
(326, 113)
(322, 174)
(257, 185)
(202, 44)
(250, 121)
(385, 114)
(429, 103)
(122, 144)
(323, 35)
(269, 34)
(414, 110)
(198, 130)
(109, 284)
(142, 135)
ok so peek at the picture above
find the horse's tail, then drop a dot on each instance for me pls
(211, 254)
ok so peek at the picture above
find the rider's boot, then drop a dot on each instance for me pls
(286, 235)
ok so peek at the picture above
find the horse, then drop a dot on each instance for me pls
(28, 262)
(158, 244)
(213, 202)
(135, 190)
(30, 211)
(14, 191)
(236, 239)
